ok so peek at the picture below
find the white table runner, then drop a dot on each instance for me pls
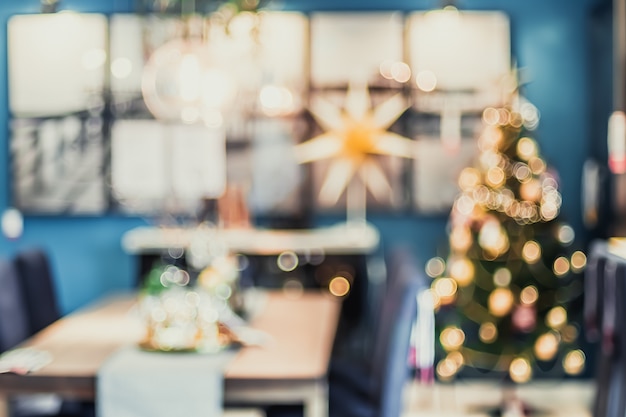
(135, 383)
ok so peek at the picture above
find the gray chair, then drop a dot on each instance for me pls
(374, 388)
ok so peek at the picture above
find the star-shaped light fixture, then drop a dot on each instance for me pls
(352, 136)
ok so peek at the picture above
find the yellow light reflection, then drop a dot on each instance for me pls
(537, 165)
(435, 267)
(495, 177)
(561, 266)
(569, 333)
(531, 190)
(556, 317)
(520, 370)
(426, 81)
(287, 261)
(452, 338)
(579, 261)
(469, 178)
(446, 289)
(574, 362)
(502, 277)
(500, 301)
(446, 369)
(488, 332)
(526, 148)
(546, 346)
(529, 295)
(462, 271)
(456, 357)
(531, 252)
(460, 238)
(339, 286)
(491, 116)
(566, 234)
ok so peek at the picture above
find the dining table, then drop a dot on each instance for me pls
(290, 368)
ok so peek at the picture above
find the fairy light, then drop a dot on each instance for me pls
(574, 362)
(500, 301)
(502, 277)
(520, 370)
(531, 252)
(529, 295)
(561, 266)
(462, 271)
(546, 346)
(435, 267)
(452, 338)
(488, 332)
(556, 317)
(578, 261)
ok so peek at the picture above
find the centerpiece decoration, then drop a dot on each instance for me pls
(186, 313)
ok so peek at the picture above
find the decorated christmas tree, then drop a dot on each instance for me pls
(505, 289)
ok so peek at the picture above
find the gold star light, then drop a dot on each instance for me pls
(352, 136)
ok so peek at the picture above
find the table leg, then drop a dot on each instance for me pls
(316, 403)
(4, 406)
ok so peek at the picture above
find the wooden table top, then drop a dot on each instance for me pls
(301, 330)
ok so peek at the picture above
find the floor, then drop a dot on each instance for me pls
(481, 398)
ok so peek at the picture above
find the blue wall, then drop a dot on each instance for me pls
(550, 39)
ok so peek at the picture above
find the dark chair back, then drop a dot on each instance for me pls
(390, 366)
(33, 266)
(14, 324)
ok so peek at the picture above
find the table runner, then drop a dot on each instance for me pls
(136, 383)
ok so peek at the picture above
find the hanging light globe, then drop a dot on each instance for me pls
(181, 82)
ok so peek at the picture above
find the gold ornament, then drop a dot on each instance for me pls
(353, 135)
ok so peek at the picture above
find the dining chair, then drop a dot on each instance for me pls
(37, 280)
(34, 303)
(374, 387)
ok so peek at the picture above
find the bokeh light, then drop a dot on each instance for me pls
(529, 295)
(287, 261)
(531, 252)
(546, 346)
(578, 261)
(574, 362)
(520, 370)
(500, 301)
(452, 338)
(435, 267)
(446, 289)
(488, 332)
(565, 234)
(462, 271)
(339, 286)
(502, 277)
(526, 148)
(561, 266)
(12, 223)
(426, 81)
(556, 317)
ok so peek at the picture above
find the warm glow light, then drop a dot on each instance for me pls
(520, 370)
(529, 295)
(435, 267)
(556, 317)
(522, 172)
(531, 252)
(426, 81)
(488, 332)
(526, 148)
(495, 177)
(400, 72)
(339, 286)
(561, 266)
(460, 238)
(546, 346)
(566, 234)
(446, 369)
(569, 333)
(531, 190)
(462, 271)
(287, 261)
(579, 261)
(515, 119)
(537, 165)
(493, 238)
(502, 277)
(469, 178)
(276, 100)
(491, 116)
(452, 338)
(446, 289)
(574, 362)
(500, 301)
(121, 68)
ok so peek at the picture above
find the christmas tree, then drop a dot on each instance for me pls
(505, 290)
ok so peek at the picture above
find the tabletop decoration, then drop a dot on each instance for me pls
(185, 314)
